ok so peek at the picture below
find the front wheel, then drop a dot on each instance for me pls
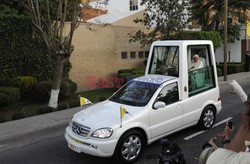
(129, 147)
(207, 118)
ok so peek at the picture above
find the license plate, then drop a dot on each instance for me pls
(74, 148)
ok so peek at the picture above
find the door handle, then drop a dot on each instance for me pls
(185, 88)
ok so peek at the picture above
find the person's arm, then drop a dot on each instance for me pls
(226, 135)
(238, 142)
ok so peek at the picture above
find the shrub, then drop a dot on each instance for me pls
(9, 95)
(2, 119)
(17, 116)
(26, 84)
(102, 99)
(124, 71)
(44, 110)
(62, 106)
(232, 68)
(219, 72)
(74, 103)
(3, 99)
(129, 74)
(65, 89)
(236, 68)
(42, 90)
(21, 54)
(73, 85)
(138, 71)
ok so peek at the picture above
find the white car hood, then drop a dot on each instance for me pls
(106, 114)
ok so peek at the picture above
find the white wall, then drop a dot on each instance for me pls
(234, 48)
(119, 6)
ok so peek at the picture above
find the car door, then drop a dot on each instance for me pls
(169, 118)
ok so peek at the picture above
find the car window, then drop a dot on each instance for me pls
(165, 61)
(200, 74)
(169, 94)
(135, 93)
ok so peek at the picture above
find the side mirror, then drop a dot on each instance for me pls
(159, 104)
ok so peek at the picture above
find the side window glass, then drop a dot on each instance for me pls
(200, 69)
(169, 94)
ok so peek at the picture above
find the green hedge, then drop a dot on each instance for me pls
(124, 71)
(73, 85)
(21, 54)
(9, 95)
(3, 98)
(219, 72)
(17, 116)
(74, 103)
(128, 74)
(63, 106)
(43, 89)
(232, 68)
(198, 35)
(26, 84)
(44, 110)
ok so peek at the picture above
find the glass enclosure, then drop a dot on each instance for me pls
(200, 71)
(165, 61)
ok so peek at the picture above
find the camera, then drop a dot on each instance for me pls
(230, 124)
(170, 154)
(206, 145)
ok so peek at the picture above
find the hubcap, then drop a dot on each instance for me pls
(208, 119)
(131, 147)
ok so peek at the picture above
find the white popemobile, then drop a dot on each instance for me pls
(170, 97)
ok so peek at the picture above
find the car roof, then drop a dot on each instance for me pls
(156, 79)
(181, 42)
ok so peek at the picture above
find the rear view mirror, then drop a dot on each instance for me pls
(159, 104)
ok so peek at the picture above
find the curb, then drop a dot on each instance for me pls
(34, 129)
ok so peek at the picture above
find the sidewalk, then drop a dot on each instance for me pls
(33, 129)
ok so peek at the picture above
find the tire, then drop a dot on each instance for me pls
(129, 147)
(207, 118)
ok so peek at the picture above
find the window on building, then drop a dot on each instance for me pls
(133, 5)
(141, 54)
(132, 55)
(146, 54)
(124, 55)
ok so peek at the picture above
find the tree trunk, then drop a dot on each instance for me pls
(56, 81)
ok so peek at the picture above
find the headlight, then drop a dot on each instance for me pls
(102, 133)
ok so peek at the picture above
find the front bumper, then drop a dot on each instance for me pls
(95, 147)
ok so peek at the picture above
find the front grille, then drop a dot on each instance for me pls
(80, 129)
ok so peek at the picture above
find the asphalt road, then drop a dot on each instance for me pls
(55, 150)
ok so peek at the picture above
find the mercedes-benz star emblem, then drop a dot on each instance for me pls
(78, 130)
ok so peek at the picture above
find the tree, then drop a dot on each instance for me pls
(49, 20)
(161, 18)
(209, 15)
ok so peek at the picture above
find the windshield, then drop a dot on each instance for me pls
(165, 61)
(135, 93)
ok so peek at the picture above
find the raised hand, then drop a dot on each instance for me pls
(238, 90)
